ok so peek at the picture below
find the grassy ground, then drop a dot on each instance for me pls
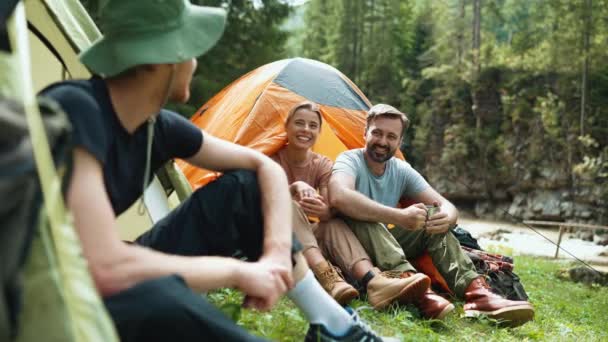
(565, 311)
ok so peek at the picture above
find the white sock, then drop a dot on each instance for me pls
(318, 306)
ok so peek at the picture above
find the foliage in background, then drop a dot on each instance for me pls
(369, 41)
(252, 38)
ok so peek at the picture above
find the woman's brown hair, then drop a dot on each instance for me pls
(311, 106)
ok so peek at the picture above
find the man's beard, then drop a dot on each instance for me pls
(380, 158)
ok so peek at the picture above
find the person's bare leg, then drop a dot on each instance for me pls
(361, 268)
(313, 256)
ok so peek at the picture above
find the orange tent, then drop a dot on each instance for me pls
(251, 110)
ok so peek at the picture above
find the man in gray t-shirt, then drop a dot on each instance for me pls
(366, 186)
(398, 180)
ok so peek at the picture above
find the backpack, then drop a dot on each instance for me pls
(21, 198)
(465, 238)
(498, 270)
(46, 288)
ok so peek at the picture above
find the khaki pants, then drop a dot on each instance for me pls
(333, 238)
(391, 249)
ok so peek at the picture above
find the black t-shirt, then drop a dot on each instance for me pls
(96, 128)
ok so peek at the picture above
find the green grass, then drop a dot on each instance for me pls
(565, 311)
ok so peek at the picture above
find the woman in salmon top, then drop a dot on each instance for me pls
(308, 174)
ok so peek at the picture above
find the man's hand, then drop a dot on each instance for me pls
(264, 282)
(315, 206)
(413, 217)
(280, 257)
(300, 190)
(439, 223)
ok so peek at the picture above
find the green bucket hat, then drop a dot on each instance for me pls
(140, 32)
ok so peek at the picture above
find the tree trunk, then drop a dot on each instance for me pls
(353, 23)
(476, 93)
(475, 46)
(475, 56)
(586, 38)
(371, 25)
(476, 35)
(459, 35)
(360, 25)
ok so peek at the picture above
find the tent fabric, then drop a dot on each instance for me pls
(71, 17)
(251, 111)
(303, 77)
(68, 28)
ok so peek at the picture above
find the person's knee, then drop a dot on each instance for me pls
(231, 186)
(165, 297)
(244, 178)
(157, 308)
(245, 182)
(334, 225)
(439, 241)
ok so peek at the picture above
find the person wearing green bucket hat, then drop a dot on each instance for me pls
(152, 32)
(121, 134)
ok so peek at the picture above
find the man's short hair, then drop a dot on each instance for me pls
(384, 110)
(311, 106)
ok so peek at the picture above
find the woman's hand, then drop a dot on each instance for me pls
(300, 190)
(316, 206)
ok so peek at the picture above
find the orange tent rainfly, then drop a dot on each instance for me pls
(251, 110)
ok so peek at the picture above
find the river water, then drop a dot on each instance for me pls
(517, 239)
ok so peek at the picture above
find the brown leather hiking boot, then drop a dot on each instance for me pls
(430, 304)
(385, 288)
(480, 300)
(332, 281)
(434, 306)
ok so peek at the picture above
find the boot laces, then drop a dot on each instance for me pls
(329, 277)
(484, 283)
(391, 274)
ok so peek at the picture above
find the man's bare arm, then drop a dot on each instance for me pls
(220, 155)
(116, 266)
(344, 197)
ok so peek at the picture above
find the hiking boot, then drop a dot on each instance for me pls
(434, 306)
(430, 304)
(359, 332)
(385, 288)
(480, 300)
(331, 280)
